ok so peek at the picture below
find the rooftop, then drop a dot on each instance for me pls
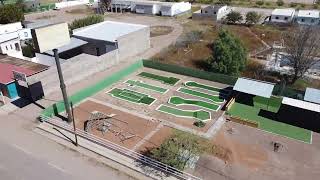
(107, 31)
(312, 95)
(6, 75)
(309, 13)
(74, 43)
(8, 36)
(301, 104)
(283, 12)
(254, 87)
(22, 63)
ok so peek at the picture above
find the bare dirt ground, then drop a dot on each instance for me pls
(122, 125)
(252, 156)
(150, 111)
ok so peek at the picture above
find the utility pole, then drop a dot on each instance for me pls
(64, 93)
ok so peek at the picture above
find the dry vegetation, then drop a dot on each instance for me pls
(86, 11)
(160, 30)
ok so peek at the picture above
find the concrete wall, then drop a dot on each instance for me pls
(281, 19)
(308, 20)
(74, 70)
(134, 43)
(10, 47)
(71, 3)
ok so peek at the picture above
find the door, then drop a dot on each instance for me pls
(12, 90)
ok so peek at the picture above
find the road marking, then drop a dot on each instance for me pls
(57, 167)
(21, 149)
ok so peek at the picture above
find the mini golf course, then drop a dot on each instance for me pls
(192, 84)
(131, 96)
(166, 80)
(175, 100)
(146, 86)
(199, 114)
(214, 98)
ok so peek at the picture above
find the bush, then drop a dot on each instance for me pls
(199, 124)
(280, 3)
(315, 6)
(234, 17)
(11, 13)
(259, 3)
(252, 17)
(302, 5)
(293, 4)
(89, 20)
(267, 3)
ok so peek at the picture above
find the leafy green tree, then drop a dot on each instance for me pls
(234, 17)
(252, 17)
(89, 20)
(11, 13)
(178, 150)
(229, 55)
(259, 3)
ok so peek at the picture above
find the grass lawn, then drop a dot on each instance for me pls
(181, 101)
(146, 86)
(131, 96)
(167, 80)
(200, 114)
(251, 113)
(193, 84)
(214, 98)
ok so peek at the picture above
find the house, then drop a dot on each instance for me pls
(282, 15)
(8, 86)
(108, 40)
(31, 4)
(147, 7)
(174, 8)
(216, 12)
(308, 17)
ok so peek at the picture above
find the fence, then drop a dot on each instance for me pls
(122, 150)
(221, 78)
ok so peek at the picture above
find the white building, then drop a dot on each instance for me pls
(282, 15)
(308, 17)
(216, 12)
(150, 7)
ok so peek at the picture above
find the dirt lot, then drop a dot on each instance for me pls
(123, 124)
(150, 111)
(252, 156)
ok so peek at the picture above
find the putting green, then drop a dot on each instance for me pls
(193, 84)
(214, 98)
(146, 86)
(131, 96)
(175, 100)
(167, 80)
(199, 114)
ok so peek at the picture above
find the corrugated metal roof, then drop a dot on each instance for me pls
(74, 43)
(312, 95)
(283, 12)
(107, 31)
(301, 104)
(254, 87)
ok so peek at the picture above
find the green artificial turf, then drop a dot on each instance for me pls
(131, 96)
(181, 101)
(250, 113)
(146, 86)
(214, 98)
(167, 80)
(206, 87)
(199, 114)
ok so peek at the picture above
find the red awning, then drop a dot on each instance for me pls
(6, 75)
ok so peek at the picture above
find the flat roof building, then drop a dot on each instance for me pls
(282, 15)
(254, 87)
(308, 17)
(312, 95)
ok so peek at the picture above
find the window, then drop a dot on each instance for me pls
(17, 46)
(11, 46)
(302, 20)
(214, 12)
(312, 20)
(277, 17)
(285, 18)
(7, 48)
(205, 11)
(25, 34)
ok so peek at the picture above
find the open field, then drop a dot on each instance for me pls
(248, 154)
(255, 111)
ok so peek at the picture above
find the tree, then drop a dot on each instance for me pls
(229, 55)
(11, 13)
(252, 17)
(89, 20)
(234, 17)
(178, 150)
(280, 3)
(225, 2)
(303, 50)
